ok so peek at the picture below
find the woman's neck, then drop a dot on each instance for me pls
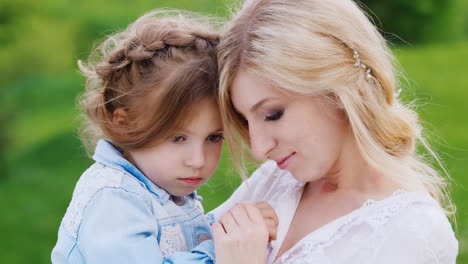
(352, 173)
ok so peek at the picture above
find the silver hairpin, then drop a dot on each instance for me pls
(396, 94)
(369, 77)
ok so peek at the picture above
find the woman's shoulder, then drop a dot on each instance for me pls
(420, 213)
(414, 220)
(417, 205)
(417, 222)
(406, 227)
(417, 208)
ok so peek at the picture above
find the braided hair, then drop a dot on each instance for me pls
(155, 70)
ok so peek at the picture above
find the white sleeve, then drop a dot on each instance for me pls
(255, 189)
(426, 237)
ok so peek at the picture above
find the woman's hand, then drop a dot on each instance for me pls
(270, 217)
(241, 235)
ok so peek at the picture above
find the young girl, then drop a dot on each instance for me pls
(151, 98)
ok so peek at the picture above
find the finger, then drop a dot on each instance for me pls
(239, 214)
(217, 230)
(262, 204)
(272, 229)
(254, 214)
(228, 222)
(269, 213)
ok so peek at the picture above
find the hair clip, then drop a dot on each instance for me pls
(369, 77)
(397, 93)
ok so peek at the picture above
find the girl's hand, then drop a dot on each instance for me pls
(270, 218)
(241, 235)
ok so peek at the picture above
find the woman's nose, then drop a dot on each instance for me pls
(260, 144)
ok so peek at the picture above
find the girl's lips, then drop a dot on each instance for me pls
(191, 181)
(284, 163)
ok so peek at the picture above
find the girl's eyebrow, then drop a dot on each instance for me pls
(185, 131)
(219, 130)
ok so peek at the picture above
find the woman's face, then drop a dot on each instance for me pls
(304, 135)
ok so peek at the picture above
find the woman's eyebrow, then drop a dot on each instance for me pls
(260, 103)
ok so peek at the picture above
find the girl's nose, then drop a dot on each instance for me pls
(196, 158)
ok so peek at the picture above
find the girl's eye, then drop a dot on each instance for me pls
(215, 138)
(178, 139)
(275, 116)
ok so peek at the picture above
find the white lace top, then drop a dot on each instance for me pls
(406, 227)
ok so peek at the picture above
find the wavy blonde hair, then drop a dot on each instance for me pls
(306, 47)
(156, 70)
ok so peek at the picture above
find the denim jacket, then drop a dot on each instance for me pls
(117, 215)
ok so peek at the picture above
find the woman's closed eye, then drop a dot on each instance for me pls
(276, 116)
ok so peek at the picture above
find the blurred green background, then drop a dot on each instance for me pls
(41, 157)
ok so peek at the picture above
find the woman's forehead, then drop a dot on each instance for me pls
(248, 90)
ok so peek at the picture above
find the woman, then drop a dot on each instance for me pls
(310, 86)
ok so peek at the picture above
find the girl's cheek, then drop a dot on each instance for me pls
(215, 151)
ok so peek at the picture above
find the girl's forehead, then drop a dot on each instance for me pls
(202, 114)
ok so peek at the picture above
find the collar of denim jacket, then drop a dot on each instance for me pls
(111, 156)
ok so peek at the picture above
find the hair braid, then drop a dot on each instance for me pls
(137, 61)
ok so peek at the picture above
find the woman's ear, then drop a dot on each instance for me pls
(120, 117)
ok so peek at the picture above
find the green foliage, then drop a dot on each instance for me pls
(40, 42)
(46, 157)
(436, 77)
(419, 20)
(5, 119)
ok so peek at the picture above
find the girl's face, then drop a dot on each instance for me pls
(304, 135)
(189, 158)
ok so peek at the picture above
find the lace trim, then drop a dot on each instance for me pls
(90, 182)
(172, 240)
(389, 207)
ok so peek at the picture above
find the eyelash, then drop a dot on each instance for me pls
(215, 138)
(274, 117)
(178, 139)
(211, 138)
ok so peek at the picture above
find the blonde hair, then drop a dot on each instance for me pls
(155, 70)
(307, 48)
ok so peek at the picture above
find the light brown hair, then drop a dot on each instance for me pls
(155, 70)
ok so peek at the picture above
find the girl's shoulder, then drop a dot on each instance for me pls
(97, 178)
(100, 176)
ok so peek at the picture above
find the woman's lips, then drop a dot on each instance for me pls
(192, 181)
(284, 163)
